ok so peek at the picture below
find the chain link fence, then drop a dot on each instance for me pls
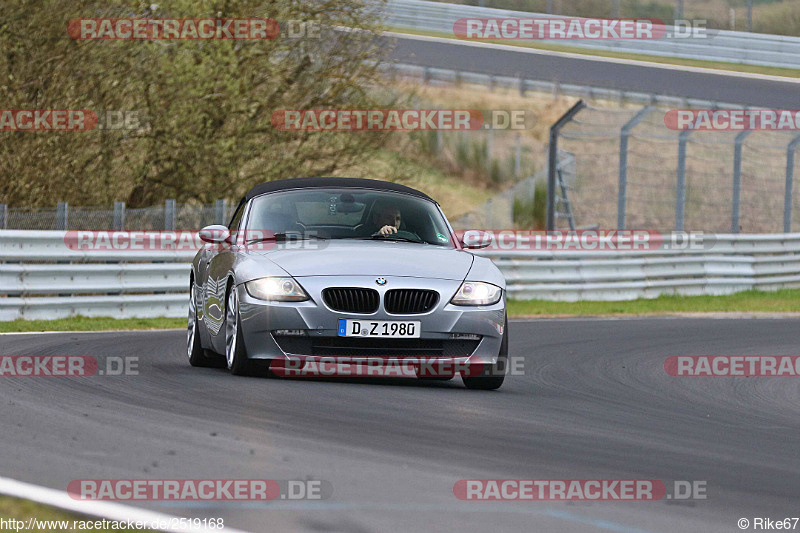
(631, 171)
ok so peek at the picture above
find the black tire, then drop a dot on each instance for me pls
(235, 351)
(198, 356)
(492, 376)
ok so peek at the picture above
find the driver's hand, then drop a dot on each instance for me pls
(387, 230)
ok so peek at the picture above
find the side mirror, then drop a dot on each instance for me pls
(476, 239)
(215, 234)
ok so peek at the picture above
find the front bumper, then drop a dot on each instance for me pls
(260, 319)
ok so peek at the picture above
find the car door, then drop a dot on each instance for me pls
(219, 265)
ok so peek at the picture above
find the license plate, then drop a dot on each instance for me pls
(379, 328)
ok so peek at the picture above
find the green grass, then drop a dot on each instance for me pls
(82, 323)
(783, 301)
(24, 510)
(718, 65)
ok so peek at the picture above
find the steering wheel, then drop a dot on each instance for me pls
(403, 234)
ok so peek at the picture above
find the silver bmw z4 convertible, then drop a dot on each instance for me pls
(353, 270)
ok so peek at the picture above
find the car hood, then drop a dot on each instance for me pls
(371, 258)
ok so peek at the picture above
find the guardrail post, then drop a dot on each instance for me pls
(787, 198)
(220, 209)
(119, 216)
(169, 215)
(62, 214)
(623, 163)
(737, 179)
(680, 188)
(552, 162)
(523, 85)
(518, 156)
(3, 216)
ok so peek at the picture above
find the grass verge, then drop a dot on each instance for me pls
(61, 521)
(82, 323)
(717, 65)
(783, 301)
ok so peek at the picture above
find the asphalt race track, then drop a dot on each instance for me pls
(594, 403)
(595, 72)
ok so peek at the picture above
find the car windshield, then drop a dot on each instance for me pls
(350, 213)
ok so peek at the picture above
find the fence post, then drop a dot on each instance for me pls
(62, 215)
(219, 215)
(623, 163)
(169, 215)
(680, 189)
(3, 216)
(552, 162)
(787, 198)
(489, 139)
(749, 23)
(119, 216)
(737, 179)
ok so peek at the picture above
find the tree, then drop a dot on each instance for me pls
(203, 106)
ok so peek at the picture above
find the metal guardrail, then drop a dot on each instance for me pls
(430, 74)
(40, 278)
(722, 45)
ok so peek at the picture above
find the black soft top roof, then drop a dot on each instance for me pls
(360, 183)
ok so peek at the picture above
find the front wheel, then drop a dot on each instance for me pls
(197, 355)
(235, 353)
(491, 377)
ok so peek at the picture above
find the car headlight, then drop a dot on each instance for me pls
(477, 293)
(276, 289)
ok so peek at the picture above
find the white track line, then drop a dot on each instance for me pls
(100, 509)
(603, 59)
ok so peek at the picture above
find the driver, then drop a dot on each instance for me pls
(386, 219)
